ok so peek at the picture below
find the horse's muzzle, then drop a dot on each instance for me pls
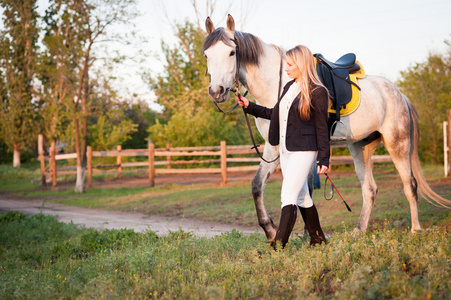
(219, 95)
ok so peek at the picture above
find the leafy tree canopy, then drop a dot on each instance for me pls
(428, 86)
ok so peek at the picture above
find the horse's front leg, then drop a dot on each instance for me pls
(361, 154)
(258, 185)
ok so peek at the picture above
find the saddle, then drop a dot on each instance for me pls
(342, 86)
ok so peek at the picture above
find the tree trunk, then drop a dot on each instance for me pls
(80, 148)
(16, 159)
(80, 182)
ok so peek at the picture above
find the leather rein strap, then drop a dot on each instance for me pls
(255, 146)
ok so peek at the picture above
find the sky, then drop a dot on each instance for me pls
(388, 36)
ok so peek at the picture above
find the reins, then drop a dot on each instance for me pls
(236, 91)
(249, 124)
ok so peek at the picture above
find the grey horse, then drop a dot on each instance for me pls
(384, 115)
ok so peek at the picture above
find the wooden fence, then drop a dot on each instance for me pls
(221, 155)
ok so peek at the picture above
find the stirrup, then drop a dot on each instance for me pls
(335, 138)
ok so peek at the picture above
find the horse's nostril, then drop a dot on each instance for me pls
(221, 90)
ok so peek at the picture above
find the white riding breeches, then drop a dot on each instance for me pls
(295, 167)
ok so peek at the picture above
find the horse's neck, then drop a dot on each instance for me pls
(263, 80)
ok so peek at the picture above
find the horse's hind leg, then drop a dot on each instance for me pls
(400, 151)
(258, 185)
(361, 154)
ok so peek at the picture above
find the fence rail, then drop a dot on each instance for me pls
(154, 167)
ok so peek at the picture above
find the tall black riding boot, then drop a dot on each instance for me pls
(286, 224)
(311, 220)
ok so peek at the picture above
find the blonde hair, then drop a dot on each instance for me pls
(308, 81)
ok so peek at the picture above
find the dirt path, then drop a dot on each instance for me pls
(102, 219)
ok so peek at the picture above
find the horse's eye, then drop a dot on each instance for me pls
(232, 53)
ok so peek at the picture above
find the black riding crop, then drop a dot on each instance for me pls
(333, 185)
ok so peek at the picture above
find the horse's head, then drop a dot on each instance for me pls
(220, 51)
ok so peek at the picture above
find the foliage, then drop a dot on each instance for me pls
(105, 134)
(59, 66)
(5, 153)
(108, 125)
(80, 26)
(141, 115)
(110, 131)
(18, 55)
(184, 79)
(66, 86)
(428, 86)
(196, 127)
(42, 258)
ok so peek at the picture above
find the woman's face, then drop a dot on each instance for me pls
(292, 70)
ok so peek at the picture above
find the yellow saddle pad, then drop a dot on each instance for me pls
(355, 100)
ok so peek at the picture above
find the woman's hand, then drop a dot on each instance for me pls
(242, 101)
(321, 169)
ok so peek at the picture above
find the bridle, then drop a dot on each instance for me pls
(236, 91)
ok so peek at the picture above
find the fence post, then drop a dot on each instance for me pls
(89, 165)
(119, 162)
(223, 163)
(449, 141)
(41, 157)
(53, 162)
(168, 158)
(151, 164)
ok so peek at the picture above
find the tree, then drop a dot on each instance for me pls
(428, 86)
(58, 69)
(18, 56)
(108, 125)
(80, 26)
(140, 113)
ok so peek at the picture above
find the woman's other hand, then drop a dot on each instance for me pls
(242, 101)
(321, 169)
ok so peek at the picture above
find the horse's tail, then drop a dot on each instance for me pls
(424, 189)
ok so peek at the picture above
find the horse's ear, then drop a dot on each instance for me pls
(209, 25)
(230, 23)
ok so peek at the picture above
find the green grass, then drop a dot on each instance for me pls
(17, 179)
(234, 203)
(41, 258)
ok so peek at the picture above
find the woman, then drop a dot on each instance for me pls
(299, 127)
